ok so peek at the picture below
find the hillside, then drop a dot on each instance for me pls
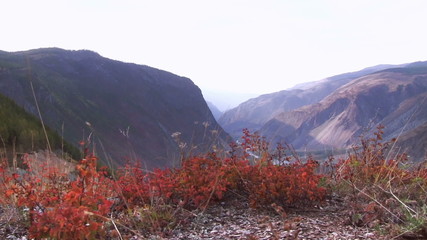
(21, 132)
(395, 98)
(215, 111)
(254, 113)
(415, 139)
(132, 110)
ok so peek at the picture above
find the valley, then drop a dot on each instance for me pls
(342, 157)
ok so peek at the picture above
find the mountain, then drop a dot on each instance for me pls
(254, 113)
(215, 111)
(129, 110)
(415, 139)
(395, 98)
(346, 76)
(226, 99)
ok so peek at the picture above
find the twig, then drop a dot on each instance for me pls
(376, 201)
(38, 108)
(400, 201)
(211, 194)
(110, 219)
(115, 226)
(407, 231)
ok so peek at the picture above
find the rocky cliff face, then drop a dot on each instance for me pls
(395, 98)
(254, 113)
(414, 142)
(132, 109)
(335, 112)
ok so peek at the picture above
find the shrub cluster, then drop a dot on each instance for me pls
(89, 204)
(57, 206)
(384, 187)
(202, 180)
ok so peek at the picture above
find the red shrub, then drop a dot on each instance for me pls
(61, 208)
(133, 186)
(200, 180)
(295, 183)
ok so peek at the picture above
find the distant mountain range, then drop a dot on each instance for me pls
(131, 111)
(214, 109)
(333, 113)
(254, 113)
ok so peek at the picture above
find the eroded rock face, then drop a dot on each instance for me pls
(335, 112)
(256, 112)
(132, 109)
(395, 99)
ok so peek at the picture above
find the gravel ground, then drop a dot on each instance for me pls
(235, 220)
(240, 222)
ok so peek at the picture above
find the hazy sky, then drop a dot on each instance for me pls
(224, 45)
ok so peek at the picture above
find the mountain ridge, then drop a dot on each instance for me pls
(389, 98)
(341, 110)
(257, 111)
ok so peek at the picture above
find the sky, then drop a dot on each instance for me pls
(232, 49)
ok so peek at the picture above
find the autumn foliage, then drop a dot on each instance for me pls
(385, 189)
(206, 179)
(57, 206)
(88, 203)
